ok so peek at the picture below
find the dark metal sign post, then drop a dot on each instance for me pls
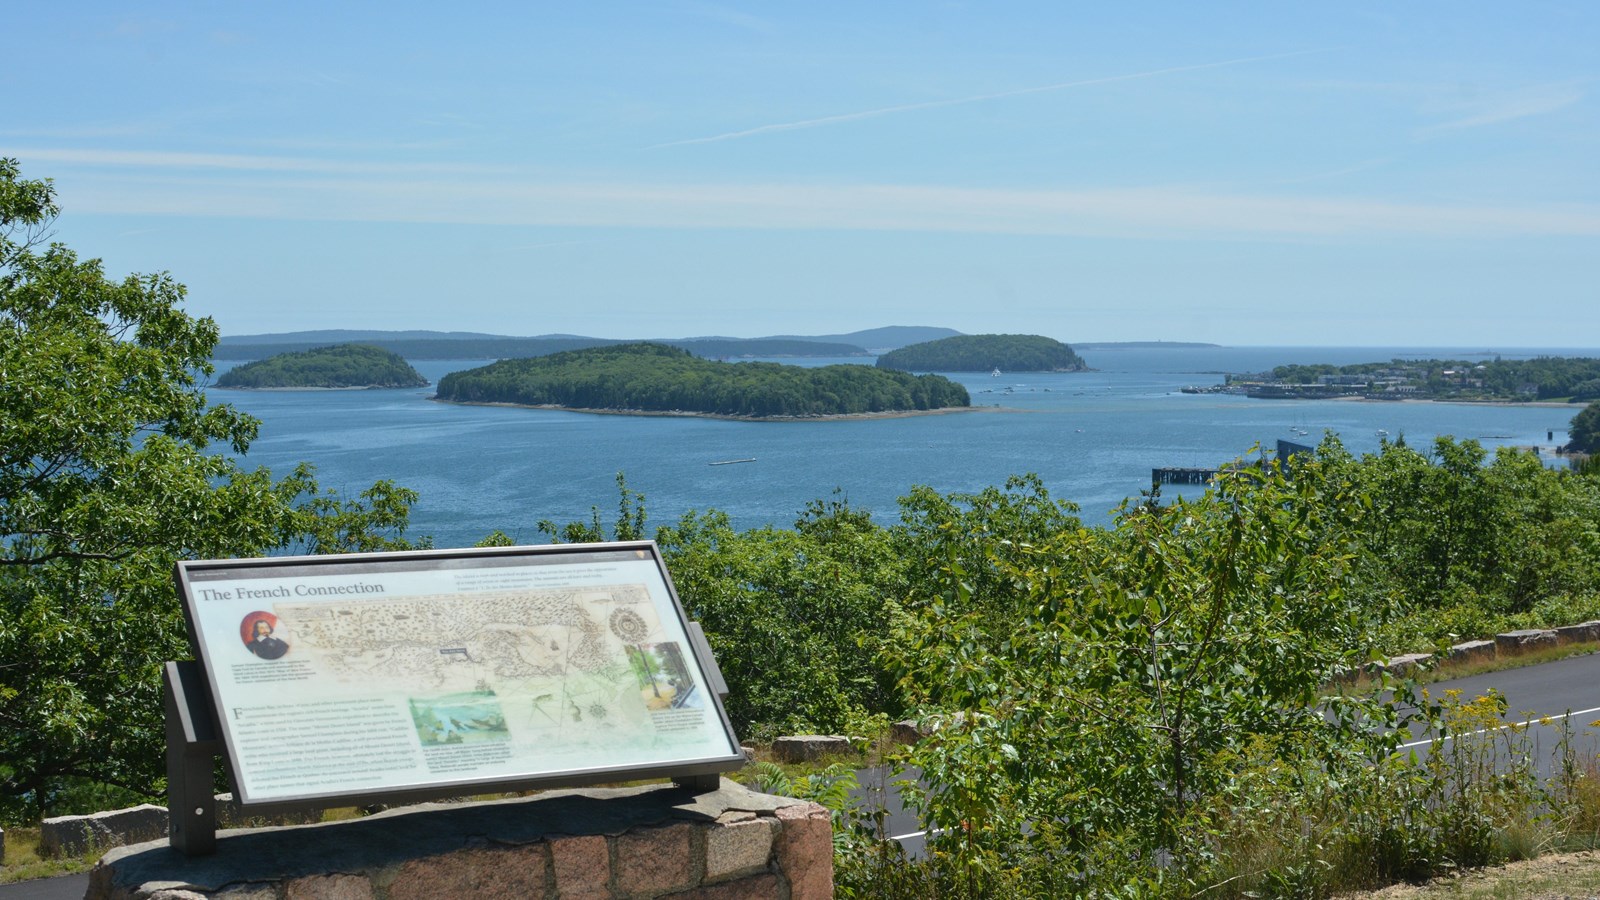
(192, 748)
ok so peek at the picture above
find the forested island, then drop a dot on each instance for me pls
(654, 378)
(342, 366)
(1544, 378)
(984, 352)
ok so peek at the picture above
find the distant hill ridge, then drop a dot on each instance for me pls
(474, 345)
(421, 344)
(349, 335)
(1142, 345)
(887, 336)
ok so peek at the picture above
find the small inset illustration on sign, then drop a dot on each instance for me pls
(665, 681)
(629, 626)
(465, 718)
(257, 631)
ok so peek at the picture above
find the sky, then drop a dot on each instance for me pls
(1356, 173)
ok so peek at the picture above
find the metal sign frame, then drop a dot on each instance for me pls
(394, 677)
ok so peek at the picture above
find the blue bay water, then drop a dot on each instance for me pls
(1092, 437)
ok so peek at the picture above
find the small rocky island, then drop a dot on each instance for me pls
(341, 366)
(657, 379)
(984, 353)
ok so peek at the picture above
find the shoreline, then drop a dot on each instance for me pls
(1541, 404)
(689, 414)
(352, 387)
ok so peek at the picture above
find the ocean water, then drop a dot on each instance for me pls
(1093, 437)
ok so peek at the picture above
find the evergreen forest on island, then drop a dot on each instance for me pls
(985, 352)
(340, 366)
(1178, 704)
(657, 378)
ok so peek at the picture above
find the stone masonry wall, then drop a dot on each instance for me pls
(604, 844)
(75, 835)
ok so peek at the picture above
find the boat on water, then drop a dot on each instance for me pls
(729, 462)
(995, 373)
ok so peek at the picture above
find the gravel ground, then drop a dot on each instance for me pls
(1566, 876)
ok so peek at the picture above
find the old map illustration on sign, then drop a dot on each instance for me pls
(569, 667)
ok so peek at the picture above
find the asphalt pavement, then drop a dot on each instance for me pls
(66, 887)
(1545, 697)
(877, 789)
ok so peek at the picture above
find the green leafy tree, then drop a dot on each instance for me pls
(112, 466)
(1585, 429)
(1454, 539)
(795, 617)
(1148, 660)
(960, 546)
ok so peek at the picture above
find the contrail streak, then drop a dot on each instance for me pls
(935, 104)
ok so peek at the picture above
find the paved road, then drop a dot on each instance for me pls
(877, 790)
(67, 887)
(1557, 689)
(1551, 689)
(1565, 692)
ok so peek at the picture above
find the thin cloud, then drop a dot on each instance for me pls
(164, 159)
(78, 132)
(184, 121)
(1139, 214)
(336, 145)
(959, 101)
(139, 28)
(727, 16)
(1513, 105)
(1367, 166)
(520, 248)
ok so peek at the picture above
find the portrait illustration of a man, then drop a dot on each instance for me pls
(259, 637)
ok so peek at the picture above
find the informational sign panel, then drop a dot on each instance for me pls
(378, 673)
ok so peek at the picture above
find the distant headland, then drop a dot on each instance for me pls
(1144, 345)
(1544, 379)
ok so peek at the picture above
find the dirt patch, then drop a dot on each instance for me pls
(1558, 876)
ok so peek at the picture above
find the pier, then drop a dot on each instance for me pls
(1181, 475)
(1287, 451)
